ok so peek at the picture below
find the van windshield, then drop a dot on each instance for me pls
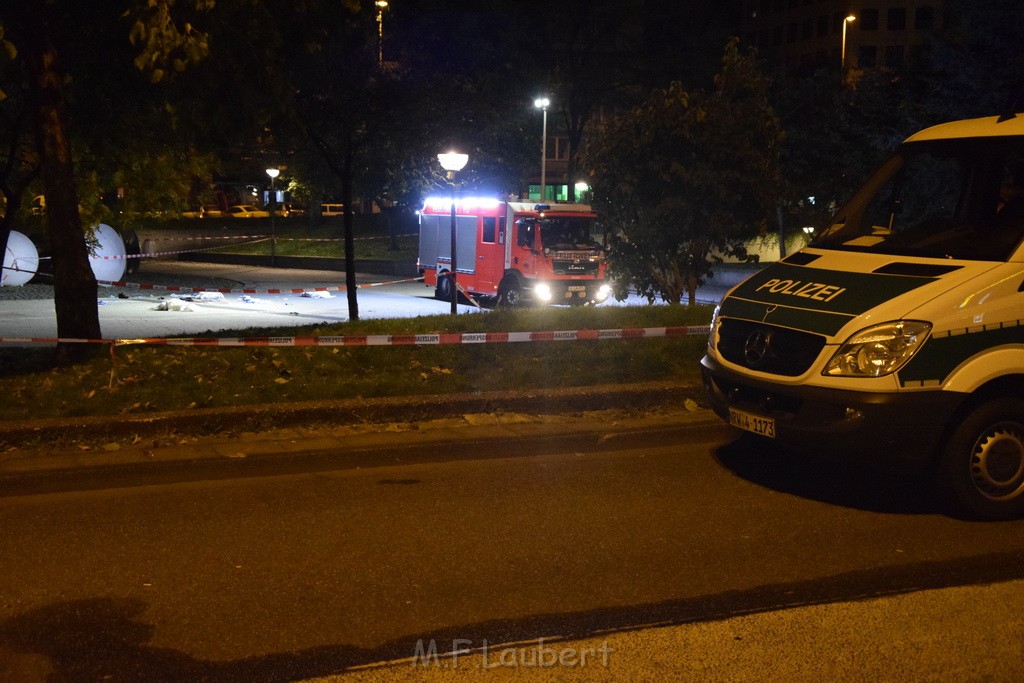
(951, 199)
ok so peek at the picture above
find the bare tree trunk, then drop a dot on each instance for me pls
(74, 286)
(347, 219)
(691, 289)
(344, 171)
(16, 176)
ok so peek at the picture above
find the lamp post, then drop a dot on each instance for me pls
(848, 19)
(381, 6)
(453, 162)
(581, 189)
(543, 103)
(273, 173)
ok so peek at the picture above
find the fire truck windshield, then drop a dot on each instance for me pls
(567, 233)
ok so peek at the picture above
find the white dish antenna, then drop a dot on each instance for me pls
(21, 261)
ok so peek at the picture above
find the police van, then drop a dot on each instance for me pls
(898, 332)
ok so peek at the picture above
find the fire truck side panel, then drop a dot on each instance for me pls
(429, 238)
(435, 247)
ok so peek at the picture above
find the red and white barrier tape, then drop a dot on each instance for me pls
(228, 290)
(185, 238)
(159, 254)
(395, 339)
(279, 238)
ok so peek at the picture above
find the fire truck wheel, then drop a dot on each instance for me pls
(443, 291)
(510, 293)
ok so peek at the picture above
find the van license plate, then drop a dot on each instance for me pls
(765, 426)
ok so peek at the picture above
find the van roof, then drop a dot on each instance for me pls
(987, 127)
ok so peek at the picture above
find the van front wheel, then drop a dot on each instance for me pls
(982, 464)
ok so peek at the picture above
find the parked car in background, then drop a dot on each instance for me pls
(289, 210)
(208, 211)
(246, 211)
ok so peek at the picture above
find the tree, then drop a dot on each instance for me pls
(685, 178)
(71, 65)
(30, 28)
(838, 130)
(19, 163)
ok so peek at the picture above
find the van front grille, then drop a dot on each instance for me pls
(767, 348)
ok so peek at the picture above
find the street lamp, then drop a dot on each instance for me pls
(849, 19)
(453, 162)
(381, 6)
(542, 103)
(273, 173)
(581, 189)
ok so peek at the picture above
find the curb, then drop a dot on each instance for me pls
(346, 412)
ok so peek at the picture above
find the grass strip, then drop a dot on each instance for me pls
(146, 379)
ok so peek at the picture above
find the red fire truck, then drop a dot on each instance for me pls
(513, 252)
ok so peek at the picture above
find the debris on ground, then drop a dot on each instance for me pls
(174, 304)
(204, 296)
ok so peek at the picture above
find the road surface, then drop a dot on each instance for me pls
(688, 553)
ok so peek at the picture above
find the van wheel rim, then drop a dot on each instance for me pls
(997, 463)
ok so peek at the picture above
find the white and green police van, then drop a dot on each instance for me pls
(898, 332)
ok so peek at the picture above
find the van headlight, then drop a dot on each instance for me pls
(879, 350)
(713, 327)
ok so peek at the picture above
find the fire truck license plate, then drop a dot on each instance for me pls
(765, 426)
(577, 288)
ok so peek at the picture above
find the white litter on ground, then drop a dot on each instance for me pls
(317, 295)
(174, 305)
(204, 296)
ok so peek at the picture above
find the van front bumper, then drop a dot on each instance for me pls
(894, 428)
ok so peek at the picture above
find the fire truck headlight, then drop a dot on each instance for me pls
(603, 292)
(542, 292)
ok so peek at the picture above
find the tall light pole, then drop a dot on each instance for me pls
(848, 19)
(543, 103)
(273, 173)
(381, 6)
(453, 162)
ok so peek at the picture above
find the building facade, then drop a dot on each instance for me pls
(804, 35)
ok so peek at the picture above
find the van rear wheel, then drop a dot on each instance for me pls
(982, 465)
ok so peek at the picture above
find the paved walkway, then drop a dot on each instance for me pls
(133, 312)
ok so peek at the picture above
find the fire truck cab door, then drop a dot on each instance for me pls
(490, 254)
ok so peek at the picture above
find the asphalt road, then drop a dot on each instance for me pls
(664, 551)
